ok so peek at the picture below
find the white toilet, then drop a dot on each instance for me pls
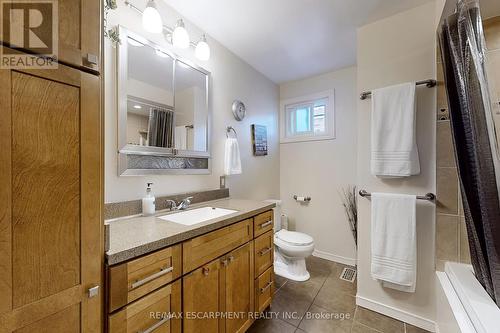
(291, 248)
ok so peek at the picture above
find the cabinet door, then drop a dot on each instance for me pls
(79, 31)
(239, 291)
(50, 201)
(201, 299)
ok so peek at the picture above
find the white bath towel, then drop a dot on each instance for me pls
(394, 147)
(232, 160)
(394, 240)
(181, 137)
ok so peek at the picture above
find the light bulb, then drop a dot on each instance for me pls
(180, 37)
(151, 19)
(202, 50)
(137, 106)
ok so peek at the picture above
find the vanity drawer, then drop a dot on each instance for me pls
(264, 252)
(264, 289)
(134, 279)
(263, 223)
(157, 312)
(203, 249)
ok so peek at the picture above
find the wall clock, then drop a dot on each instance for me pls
(239, 110)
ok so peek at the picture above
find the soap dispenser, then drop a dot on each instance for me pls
(148, 202)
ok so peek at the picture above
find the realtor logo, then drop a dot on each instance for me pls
(30, 30)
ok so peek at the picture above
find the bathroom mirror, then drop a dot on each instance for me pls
(162, 101)
(191, 108)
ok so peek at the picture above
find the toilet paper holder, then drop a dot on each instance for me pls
(301, 199)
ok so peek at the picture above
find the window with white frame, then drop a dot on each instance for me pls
(308, 118)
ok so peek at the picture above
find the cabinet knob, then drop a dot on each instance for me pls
(205, 271)
(92, 59)
(231, 259)
(93, 291)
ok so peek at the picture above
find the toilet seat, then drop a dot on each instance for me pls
(294, 238)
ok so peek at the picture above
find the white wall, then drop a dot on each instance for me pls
(232, 79)
(398, 49)
(321, 169)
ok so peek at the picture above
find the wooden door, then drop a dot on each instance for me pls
(239, 288)
(79, 32)
(201, 299)
(50, 201)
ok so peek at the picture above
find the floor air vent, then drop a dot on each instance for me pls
(348, 274)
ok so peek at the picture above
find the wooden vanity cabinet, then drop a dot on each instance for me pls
(221, 286)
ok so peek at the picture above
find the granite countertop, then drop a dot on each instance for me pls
(131, 237)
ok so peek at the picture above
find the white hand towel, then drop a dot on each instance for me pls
(232, 160)
(180, 137)
(394, 240)
(394, 147)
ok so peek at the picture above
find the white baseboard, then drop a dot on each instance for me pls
(390, 311)
(334, 257)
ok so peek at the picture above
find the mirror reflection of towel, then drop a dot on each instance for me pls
(181, 137)
(232, 160)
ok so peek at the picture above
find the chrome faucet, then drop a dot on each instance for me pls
(184, 204)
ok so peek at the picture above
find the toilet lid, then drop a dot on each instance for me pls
(294, 237)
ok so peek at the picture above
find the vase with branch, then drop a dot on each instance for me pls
(350, 203)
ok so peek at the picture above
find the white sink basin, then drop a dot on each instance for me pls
(198, 215)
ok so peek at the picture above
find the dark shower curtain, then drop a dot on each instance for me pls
(161, 128)
(463, 54)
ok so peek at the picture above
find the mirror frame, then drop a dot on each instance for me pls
(127, 149)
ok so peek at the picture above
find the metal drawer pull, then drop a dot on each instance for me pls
(265, 224)
(152, 277)
(263, 289)
(265, 251)
(155, 326)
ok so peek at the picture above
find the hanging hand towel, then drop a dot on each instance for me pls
(394, 148)
(232, 161)
(394, 240)
(181, 137)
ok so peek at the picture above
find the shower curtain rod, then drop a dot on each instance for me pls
(429, 83)
(428, 196)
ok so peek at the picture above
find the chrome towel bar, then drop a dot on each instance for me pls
(428, 196)
(429, 83)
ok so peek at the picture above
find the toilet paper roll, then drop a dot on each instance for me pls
(284, 222)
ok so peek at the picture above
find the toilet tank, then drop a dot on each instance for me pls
(277, 213)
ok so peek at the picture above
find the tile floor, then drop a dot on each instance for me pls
(324, 303)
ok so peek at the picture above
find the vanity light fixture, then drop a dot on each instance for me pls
(202, 50)
(180, 36)
(151, 19)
